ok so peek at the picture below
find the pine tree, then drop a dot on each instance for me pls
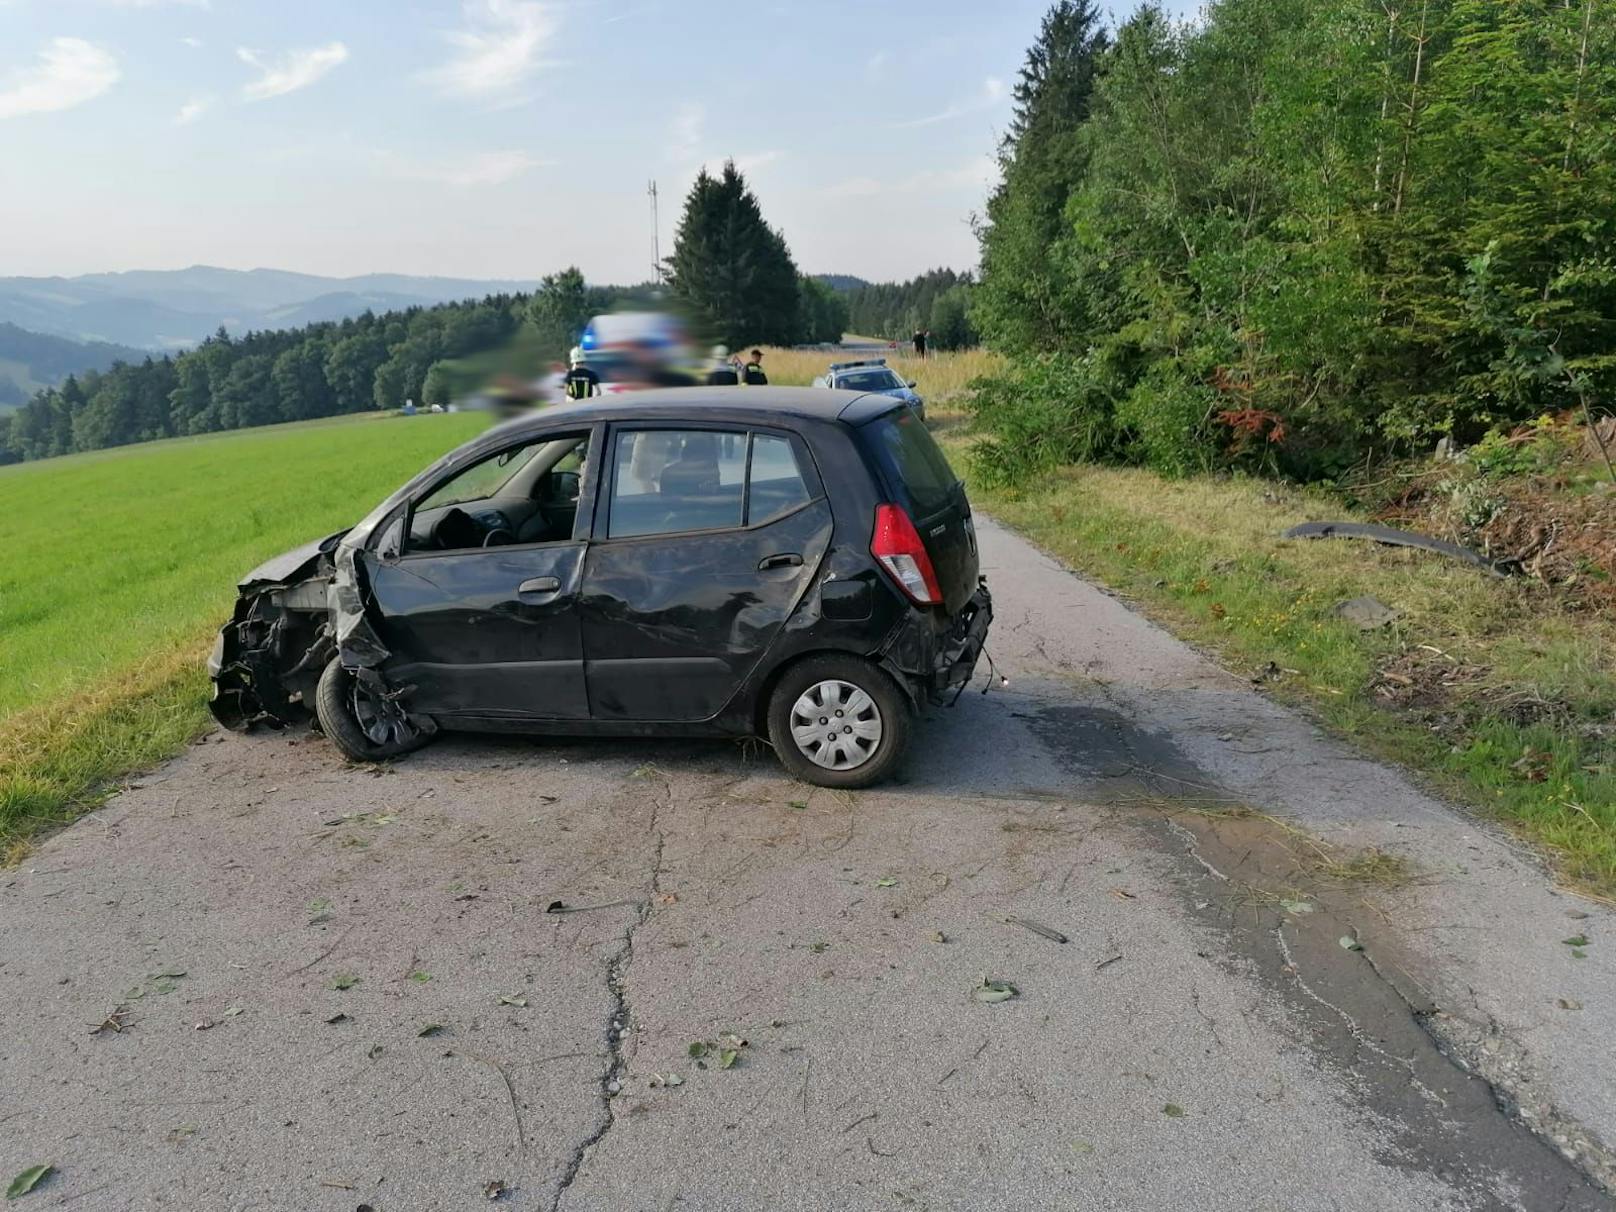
(1025, 301)
(731, 268)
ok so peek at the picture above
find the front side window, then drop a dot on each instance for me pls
(669, 481)
(524, 494)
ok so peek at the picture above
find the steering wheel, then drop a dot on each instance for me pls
(454, 529)
(499, 536)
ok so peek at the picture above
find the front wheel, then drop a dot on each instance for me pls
(838, 721)
(364, 724)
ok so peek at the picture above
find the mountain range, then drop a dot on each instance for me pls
(174, 309)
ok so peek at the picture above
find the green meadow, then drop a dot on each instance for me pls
(117, 566)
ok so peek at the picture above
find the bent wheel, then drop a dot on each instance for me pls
(838, 721)
(365, 725)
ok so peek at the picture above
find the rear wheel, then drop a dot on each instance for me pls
(364, 724)
(838, 721)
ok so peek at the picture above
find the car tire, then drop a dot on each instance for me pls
(864, 748)
(338, 702)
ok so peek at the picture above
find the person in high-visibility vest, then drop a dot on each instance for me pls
(752, 373)
(722, 372)
(581, 382)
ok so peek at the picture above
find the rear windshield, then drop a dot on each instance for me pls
(913, 460)
(868, 380)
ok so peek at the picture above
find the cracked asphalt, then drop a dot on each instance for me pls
(263, 979)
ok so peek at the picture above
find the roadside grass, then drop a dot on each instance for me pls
(119, 565)
(940, 377)
(1490, 688)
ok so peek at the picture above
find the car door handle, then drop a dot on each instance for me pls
(789, 559)
(539, 585)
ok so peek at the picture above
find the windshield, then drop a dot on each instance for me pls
(869, 380)
(914, 461)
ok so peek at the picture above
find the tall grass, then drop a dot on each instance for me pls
(938, 377)
(118, 565)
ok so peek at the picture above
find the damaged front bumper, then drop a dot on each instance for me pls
(268, 658)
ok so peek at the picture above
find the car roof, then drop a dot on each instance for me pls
(743, 405)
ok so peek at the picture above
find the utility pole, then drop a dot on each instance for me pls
(656, 234)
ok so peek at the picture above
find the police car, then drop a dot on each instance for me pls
(873, 375)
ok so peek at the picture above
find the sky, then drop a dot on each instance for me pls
(493, 138)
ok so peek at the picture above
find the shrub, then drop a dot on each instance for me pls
(1043, 412)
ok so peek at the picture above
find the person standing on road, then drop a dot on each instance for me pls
(723, 372)
(581, 382)
(920, 343)
(752, 374)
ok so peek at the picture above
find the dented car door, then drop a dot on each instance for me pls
(705, 542)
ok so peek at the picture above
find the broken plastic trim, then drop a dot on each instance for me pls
(1395, 538)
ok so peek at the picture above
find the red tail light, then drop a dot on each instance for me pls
(897, 546)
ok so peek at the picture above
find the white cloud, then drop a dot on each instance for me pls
(499, 50)
(684, 139)
(874, 64)
(476, 170)
(990, 94)
(68, 72)
(193, 43)
(291, 71)
(193, 109)
(976, 175)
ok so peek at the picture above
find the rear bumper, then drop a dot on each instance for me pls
(962, 647)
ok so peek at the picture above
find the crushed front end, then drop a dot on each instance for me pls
(268, 658)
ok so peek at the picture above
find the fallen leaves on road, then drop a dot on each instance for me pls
(495, 1189)
(28, 1180)
(428, 1031)
(1348, 943)
(513, 999)
(113, 1022)
(344, 980)
(1173, 1111)
(992, 992)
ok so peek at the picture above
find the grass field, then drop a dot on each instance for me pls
(118, 566)
(1492, 688)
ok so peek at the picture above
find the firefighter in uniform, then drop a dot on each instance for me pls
(580, 382)
(752, 373)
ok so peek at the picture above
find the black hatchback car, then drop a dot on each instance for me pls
(793, 563)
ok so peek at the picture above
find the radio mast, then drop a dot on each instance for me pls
(656, 234)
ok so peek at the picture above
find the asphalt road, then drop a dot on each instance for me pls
(329, 987)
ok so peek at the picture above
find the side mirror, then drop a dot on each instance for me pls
(911, 382)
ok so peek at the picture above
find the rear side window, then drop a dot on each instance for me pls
(776, 485)
(912, 460)
(671, 481)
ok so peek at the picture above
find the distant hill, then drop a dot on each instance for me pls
(32, 360)
(174, 309)
(841, 281)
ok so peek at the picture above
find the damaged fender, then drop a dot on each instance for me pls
(294, 613)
